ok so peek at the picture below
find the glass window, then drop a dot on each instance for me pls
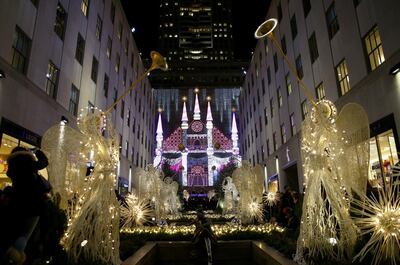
(276, 62)
(106, 85)
(299, 67)
(126, 46)
(292, 125)
(74, 100)
(80, 49)
(122, 109)
(263, 86)
(304, 109)
(109, 47)
(288, 85)
(117, 61)
(373, 46)
(85, 7)
(343, 78)
(268, 75)
(312, 45)
(383, 155)
(332, 20)
(95, 68)
(274, 141)
(293, 26)
(280, 100)
(271, 103)
(283, 133)
(99, 27)
(52, 80)
(21, 50)
(283, 45)
(306, 7)
(119, 35)
(61, 21)
(124, 76)
(112, 12)
(279, 11)
(115, 97)
(265, 116)
(320, 91)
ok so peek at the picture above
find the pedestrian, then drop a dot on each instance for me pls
(203, 231)
(28, 198)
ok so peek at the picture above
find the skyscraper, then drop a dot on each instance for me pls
(196, 38)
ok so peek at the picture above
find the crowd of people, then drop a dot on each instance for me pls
(285, 210)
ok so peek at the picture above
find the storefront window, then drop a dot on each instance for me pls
(383, 155)
(8, 143)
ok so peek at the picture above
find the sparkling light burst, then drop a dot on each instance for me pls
(135, 212)
(380, 217)
(255, 211)
(270, 198)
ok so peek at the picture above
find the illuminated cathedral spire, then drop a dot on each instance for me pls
(159, 139)
(234, 137)
(209, 116)
(184, 119)
(196, 115)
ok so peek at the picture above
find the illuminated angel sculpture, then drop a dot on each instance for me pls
(249, 183)
(335, 163)
(230, 195)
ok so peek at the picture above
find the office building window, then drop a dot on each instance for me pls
(332, 20)
(106, 85)
(126, 148)
(263, 86)
(99, 27)
(283, 133)
(112, 12)
(95, 68)
(119, 34)
(117, 61)
(21, 50)
(128, 117)
(126, 48)
(343, 78)
(274, 142)
(276, 62)
(265, 116)
(132, 59)
(124, 76)
(268, 150)
(373, 46)
(288, 85)
(74, 100)
(35, 3)
(260, 123)
(320, 91)
(268, 75)
(271, 103)
(304, 109)
(299, 67)
(280, 100)
(122, 109)
(293, 26)
(109, 47)
(52, 80)
(306, 7)
(283, 45)
(115, 97)
(312, 45)
(279, 11)
(80, 49)
(85, 7)
(292, 125)
(61, 21)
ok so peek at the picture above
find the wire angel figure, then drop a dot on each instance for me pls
(335, 154)
(230, 195)
(93, 229)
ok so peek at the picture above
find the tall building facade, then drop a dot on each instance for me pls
(345, 51)
(58, 57)
(196, 38)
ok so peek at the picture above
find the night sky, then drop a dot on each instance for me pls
(247, 15)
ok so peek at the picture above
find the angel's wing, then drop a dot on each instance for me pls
(353, 126)
(62, 145)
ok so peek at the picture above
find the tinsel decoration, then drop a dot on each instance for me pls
(378, 217)
(249, 183)
(333, 149)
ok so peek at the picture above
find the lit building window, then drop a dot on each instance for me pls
(304, 109)
(61, 21)
(283, 133)
(74, 100)
(320, 91)
(332, 20)
(288, 85)
(85, 7)
(52, 80)
(109, 47)
(373, 45)
(343, 78)
(292, 124)
(21, 49)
